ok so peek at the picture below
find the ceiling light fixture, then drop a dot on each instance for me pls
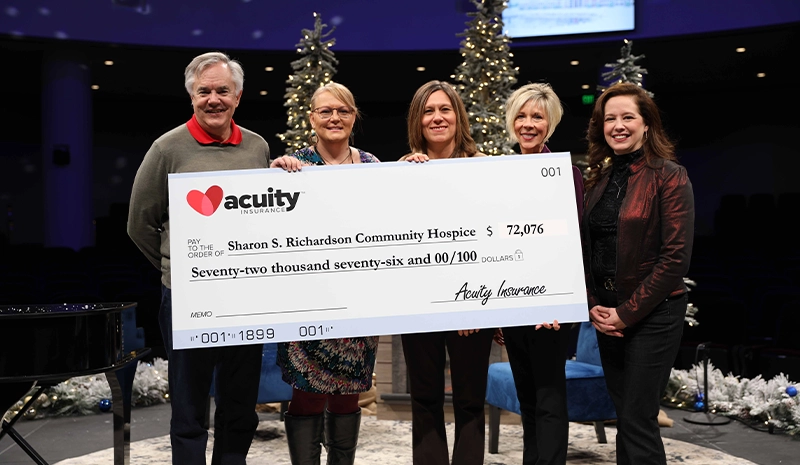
(269, 69)
(95, 87)
(761, 75)
(108, 63)
(585, 86)
(420, 68)
(263, 92)
(574, 62)
(741, 50)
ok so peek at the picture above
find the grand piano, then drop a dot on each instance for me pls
(44, 345)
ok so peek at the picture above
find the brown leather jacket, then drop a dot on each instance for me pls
(655, 232)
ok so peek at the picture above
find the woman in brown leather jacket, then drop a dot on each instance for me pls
(638, 228)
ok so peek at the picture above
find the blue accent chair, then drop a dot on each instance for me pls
(587, 395)
(271, 388)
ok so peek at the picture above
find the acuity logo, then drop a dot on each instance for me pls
(273, 201)
(205, 204)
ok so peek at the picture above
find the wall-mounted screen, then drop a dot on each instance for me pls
(539, 18)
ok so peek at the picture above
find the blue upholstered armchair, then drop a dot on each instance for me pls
(272, 388)
(587, 396)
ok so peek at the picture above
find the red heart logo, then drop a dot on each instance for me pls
(205, 204)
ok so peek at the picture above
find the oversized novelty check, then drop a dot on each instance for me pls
(386, 248)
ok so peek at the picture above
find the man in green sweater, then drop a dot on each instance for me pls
(209, 141)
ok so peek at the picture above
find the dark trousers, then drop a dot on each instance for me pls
(537, 360)
(236, 391)
(637, 368)
(469, 365)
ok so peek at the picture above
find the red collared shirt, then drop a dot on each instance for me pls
(201, 136)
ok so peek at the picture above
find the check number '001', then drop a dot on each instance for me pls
(550, 171)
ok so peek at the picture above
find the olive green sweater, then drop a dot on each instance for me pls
(178, 152)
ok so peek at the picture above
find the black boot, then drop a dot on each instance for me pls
(304, 435)
(341, 437)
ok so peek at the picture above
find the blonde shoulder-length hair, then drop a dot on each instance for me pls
(543, 96)
(339, 92)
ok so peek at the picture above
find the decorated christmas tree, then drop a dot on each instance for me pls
(485, 77)
(315, 69)
(625, 69)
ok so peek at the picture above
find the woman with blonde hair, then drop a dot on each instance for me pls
(537, 357)
(327, 375)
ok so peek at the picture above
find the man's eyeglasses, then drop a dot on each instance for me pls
(326, 113)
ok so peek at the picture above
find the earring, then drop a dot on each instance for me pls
(645, 135)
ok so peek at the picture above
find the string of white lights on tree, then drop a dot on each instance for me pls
(485, 77)
(313, 70)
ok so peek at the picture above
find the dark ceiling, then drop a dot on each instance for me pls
(701, 60)
(682, 70)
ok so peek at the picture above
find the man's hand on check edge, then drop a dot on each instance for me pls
(467, 332)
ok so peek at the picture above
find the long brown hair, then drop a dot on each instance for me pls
(464, 144)
(657, 145)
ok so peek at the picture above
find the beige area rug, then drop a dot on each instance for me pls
(389, 443)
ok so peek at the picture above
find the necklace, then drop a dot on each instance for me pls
(350, 157)
(620, 186)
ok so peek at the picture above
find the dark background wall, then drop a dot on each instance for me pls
(735, 131)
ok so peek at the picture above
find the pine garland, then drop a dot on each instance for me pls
(486, 76)
(315, 69)
(83, 395)
(769, 405)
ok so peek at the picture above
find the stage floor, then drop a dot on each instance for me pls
(87, 440)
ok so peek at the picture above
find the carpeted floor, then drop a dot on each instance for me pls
(389, 443)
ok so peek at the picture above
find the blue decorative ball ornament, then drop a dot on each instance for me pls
(792, 391)
(699, 406)
(105, 405)
(700, 397)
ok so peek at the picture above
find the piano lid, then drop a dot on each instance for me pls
(57, 342)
